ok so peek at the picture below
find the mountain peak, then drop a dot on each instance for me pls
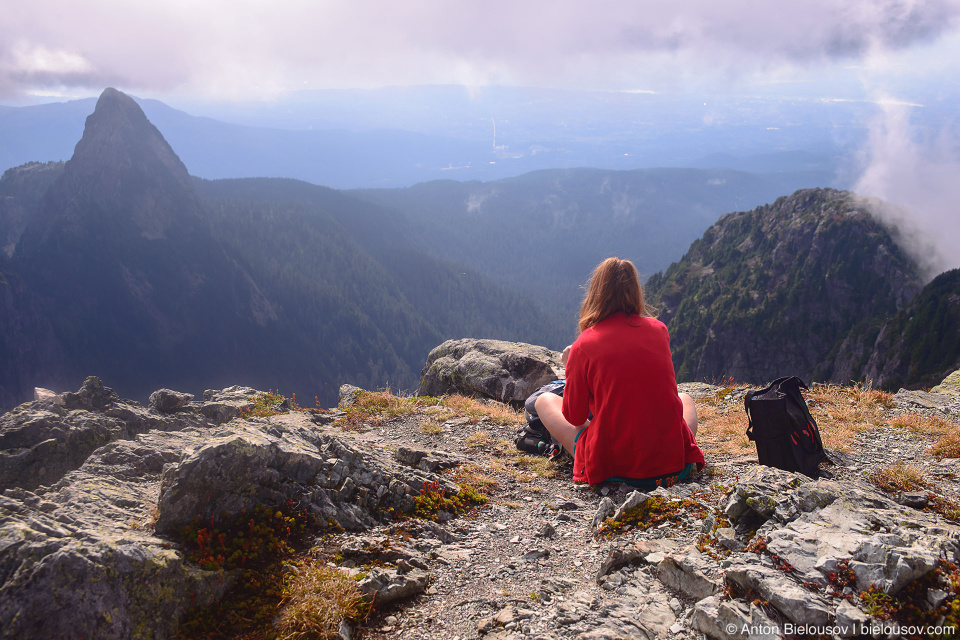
(118, 135)
(123, 178)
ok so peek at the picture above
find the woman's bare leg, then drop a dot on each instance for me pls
(689, 412)
(550, 410)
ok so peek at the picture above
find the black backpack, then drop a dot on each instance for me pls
(533, 437)
(780, 423)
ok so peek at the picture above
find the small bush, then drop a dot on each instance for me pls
(434, 498)
(924, 425)
(478, 409)
(478, 439)
(431, 428)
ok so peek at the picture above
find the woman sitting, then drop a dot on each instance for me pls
(620, 371)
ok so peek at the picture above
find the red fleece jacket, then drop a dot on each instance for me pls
(620, 369)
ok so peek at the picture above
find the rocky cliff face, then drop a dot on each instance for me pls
(84, 475)
(21, 189)
(775, 291)
(30, 353)
(918, 346)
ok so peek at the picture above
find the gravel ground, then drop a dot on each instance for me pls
(514, 567)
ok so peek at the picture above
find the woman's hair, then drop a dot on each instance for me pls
(614, 286)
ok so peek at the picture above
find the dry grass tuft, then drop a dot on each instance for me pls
(476, 476)
(477, 409)
(372, 408)
(478, 439)
(431, 427)
(924, 425)
(842, 413)
(723, 426)
(948, 446)
(315, 600)
(537, 465)
(900, 477)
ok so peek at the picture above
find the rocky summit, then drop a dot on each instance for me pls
(781, 287)
(426, 508)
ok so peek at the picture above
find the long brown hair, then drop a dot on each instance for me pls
(614, 286)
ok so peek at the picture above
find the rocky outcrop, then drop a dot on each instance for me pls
(504, 371)
(97, 488)
(42, 441)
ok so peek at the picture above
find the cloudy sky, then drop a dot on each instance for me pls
(258, 48)
(902, 54)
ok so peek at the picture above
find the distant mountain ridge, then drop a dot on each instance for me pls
(398, 137)
(919, 346)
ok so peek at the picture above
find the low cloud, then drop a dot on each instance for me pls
(247, 49)
(917, 171)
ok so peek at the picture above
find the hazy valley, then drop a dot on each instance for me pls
(120, 264)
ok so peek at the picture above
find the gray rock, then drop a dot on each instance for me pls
(800, 605)
(923, 399)
(914, 499)
(504, 371)
(226, 404)
(39, 393)
(733, 620)
(605, 509)
(244, 465)
(949, 386)
(634, 499)
(850, 619)
(167, 401)
(76, 551)
(689, 574)
(761, 491)
(87, 545)
(727, 538)
(382, 585)
(348, 395)
(42, 441)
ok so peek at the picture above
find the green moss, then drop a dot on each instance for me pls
(650, 513)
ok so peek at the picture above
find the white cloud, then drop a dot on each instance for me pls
(919, 172)
(252, 47)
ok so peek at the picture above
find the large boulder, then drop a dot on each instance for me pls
(85, 546)
(504, 371)
(247, 464)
